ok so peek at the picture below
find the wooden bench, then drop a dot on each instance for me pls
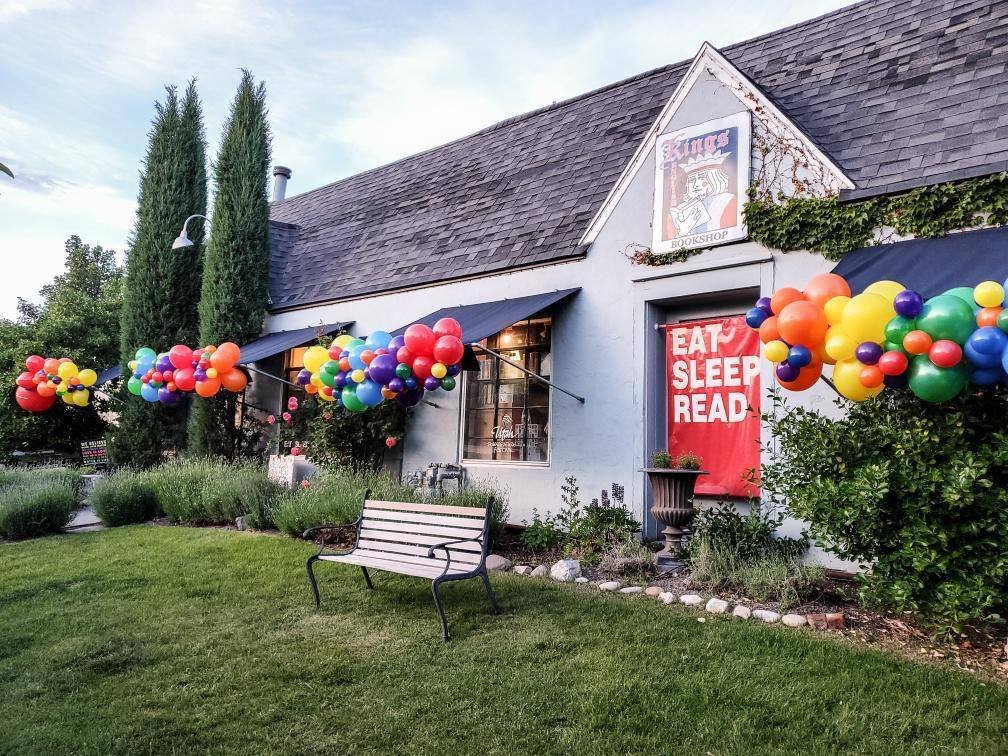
(435, 541)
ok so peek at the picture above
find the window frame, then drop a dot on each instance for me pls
(463, 409)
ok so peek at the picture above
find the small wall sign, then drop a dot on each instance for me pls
(701, 178)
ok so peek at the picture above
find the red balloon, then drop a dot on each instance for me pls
(334, 352)
(871, 376)
(807, 376)
(893, 363)
(184, 379)
(802, 323)
(180, 356)
(405, 356)
(26, 380)
(448, 327)
(783, 297)
(421, 366)
(420, 339)
(344, 364)
(945, 353)
(31, 401)
(448, 350)
(34, 363)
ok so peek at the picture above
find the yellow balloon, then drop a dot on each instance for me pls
(834, 309)
(68, 398)
(87, 377)
(326, 397)
(67, 370)
(357, 376)
(132, 364)
(342, 340)
(438, 370)
(989, 294)
(885, 289)
(838, 344)
(314, 357)
(775, 351)
(211, 372)
(847, 379)
(316, 380)
(865, 317)
(80, 398)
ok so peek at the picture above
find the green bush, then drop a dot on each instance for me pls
(37, 500)
(749, 536)
(916, 492)
(124, 498)
(628, 558)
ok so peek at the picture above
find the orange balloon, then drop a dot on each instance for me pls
(366, 356)
(45, 390)
(311, 388)
(783, 297)
(802, 323)
(388, 393)
(208, 388)
(871, 376)
(225, 356)
(807, 376)
(917, 342)
(988, 316)
(822, 288)
(51, 366)
(768, 330)
(234, 380)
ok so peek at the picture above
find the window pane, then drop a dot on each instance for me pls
(506, 415)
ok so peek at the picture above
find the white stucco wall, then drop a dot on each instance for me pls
(604, 343)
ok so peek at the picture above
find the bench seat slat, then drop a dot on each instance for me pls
(401, 568)
(417, 517)
(396, 557)
(411, 528)
(397, 506)
(416, 539)
(421, 551)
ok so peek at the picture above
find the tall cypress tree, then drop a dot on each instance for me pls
(235, 274)
(162, 286)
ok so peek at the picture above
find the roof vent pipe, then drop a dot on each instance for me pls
(280, 175)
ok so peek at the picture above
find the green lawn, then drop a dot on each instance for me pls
(155, 639)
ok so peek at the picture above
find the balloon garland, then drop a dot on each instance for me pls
(166, 376)
(362, 373)
(46, 379)
(886, 336)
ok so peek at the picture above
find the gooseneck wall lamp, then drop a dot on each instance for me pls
(183, 241)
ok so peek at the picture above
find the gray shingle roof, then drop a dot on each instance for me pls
(899, 93)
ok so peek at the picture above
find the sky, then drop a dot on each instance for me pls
(351, 86)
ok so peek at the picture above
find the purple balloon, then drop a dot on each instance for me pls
(367, 374)
(764, 304)
(868, 352)
(303, 378)
(787, 372)
(163, 363)
(397, 343)
(396, 384)
(431, 383)
(200, 374)
(410, 397)
(382, 368)
(908, 303)
(454, 369)
(167, 397)
(340, 379)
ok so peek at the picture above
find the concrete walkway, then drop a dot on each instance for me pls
(84, 521)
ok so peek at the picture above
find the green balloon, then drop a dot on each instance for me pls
(936, 384)
(965, 293)
(144, 352)
(327, 378)
(331, 367)
(899, 327)
(352, 343)
(349, 398)
(447, 383)
(134, 385)
(403, 370)
(947, 317)
(895, 346)
(1002, 321)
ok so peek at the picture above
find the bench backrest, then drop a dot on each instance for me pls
(408, 530)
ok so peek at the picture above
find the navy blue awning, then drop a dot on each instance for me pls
(931, 266)
(260, 349)
(480, 321)
(281, 341)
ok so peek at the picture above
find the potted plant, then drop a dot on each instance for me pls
(672, 483)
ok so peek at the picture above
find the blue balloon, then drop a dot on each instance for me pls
(378, 340)
(410, 397)
(755, 317)
(355, 361)
(988, 340)
(980, 359)
(410, 383)
(799, 356)
(149, 392)
(369, 393)
(454, 369)
(987, 376)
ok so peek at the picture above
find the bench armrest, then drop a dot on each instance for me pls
(323, 528)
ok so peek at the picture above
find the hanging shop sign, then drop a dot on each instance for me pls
(713, 372)
(701, 177)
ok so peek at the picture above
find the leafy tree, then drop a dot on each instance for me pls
(162, 286)
(233, 299)
(76, 316)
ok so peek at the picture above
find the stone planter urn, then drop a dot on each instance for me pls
(672, 504)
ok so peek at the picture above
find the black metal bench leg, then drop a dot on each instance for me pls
(311, 580)
(490, 593)
(440, 608)
(367, 579)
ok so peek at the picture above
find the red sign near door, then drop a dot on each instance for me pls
(713, 380)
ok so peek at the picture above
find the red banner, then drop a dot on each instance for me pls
(713, 387)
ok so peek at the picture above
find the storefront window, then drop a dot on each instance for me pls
(506, 412)
(294, 364)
